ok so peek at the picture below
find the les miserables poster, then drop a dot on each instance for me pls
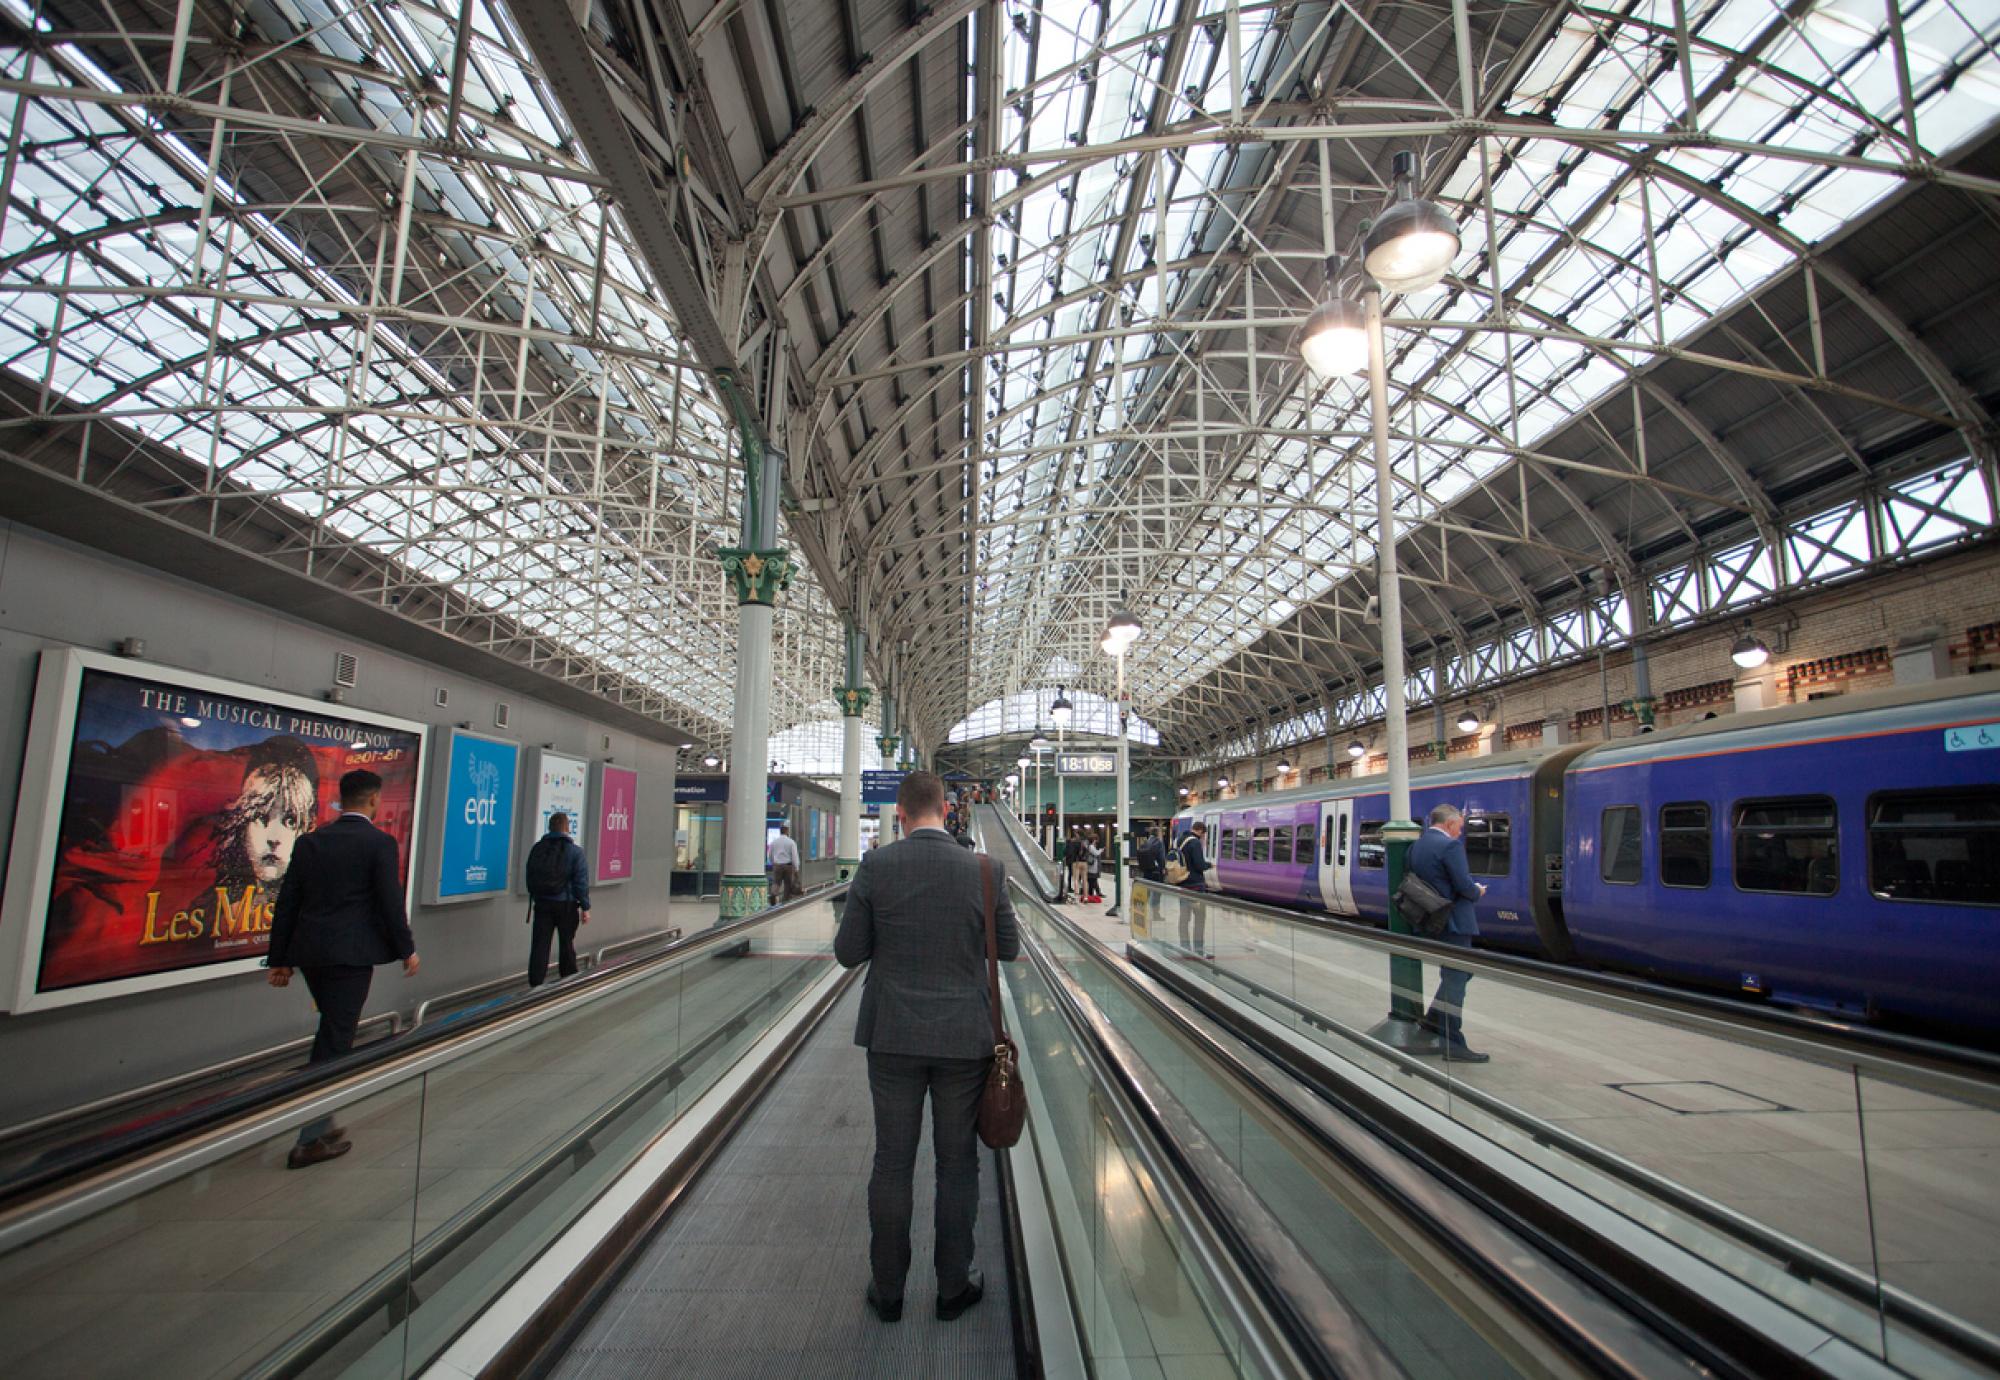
(180, 808)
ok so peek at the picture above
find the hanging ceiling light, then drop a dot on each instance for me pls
(1357, 749)
(1750, 651)
(1468, 720)
(1411, 245)
(711, 760)
(1184, 790)
(1038, 744)
(1020, 761)
(1062, 709)
(1284, 768)
(1120, 631)
(1335, 341)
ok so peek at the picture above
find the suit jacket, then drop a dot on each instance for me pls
(1439, 859)
(916, 915)
(341, 901)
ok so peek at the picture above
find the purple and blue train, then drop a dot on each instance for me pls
(1842, 855)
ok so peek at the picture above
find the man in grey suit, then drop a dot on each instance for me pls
(1439, 859)
(916, 915)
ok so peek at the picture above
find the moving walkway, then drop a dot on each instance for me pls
(660, 1169)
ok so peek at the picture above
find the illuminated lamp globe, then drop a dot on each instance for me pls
(1120, 632)
(1468, 721)
(1012, 781)
(1020, 761)
(1061, 710)
(711, 760)
(1357, 749)
(1284, 768)
(1750, 651)
(1335, 341)
(1184, 790)
(1410, 246)
(1222, 783)
(1038, 744)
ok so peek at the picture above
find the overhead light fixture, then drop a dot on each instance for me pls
(1468, 720)
(1012, 780)
(1038, 744)
(1284, 768)
(1120, 632)
(1750, 651)
(1020, 761)
(1335, 341)
(1357, 749)
(1222, 783)
(1062, 710)
(711, 760)
(1184, 790)
(1411, 245)
(686, 746)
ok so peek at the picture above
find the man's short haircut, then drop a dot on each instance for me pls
(921, 795)
(1445, 814)
(358, 785)
(559, 822)
(1200, 828)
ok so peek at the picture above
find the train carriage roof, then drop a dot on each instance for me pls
(1904, 707)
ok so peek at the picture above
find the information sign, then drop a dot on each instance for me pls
(1087, 764)
(880, 787)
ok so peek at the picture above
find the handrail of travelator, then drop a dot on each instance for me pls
(1951, 1070)
(1430, 1181)
(1279, 1302)
(324, 1081)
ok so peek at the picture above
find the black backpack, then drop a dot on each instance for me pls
(548, 867)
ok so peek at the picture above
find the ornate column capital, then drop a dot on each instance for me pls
(757, 577)
(852, 699)
(888, 746)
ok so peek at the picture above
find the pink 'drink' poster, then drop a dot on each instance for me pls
(617, 822)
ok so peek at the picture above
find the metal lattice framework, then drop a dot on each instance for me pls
(427, 303)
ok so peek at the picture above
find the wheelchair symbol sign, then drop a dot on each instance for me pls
(1972, 737)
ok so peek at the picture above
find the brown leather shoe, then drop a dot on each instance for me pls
(330, 1147)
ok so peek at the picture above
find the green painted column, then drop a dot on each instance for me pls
(758, 572)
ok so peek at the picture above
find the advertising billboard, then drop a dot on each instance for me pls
(556, 785)
(616, 822)
(473, 852)
(157, 814)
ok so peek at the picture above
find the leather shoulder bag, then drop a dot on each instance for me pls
(1003, 1105)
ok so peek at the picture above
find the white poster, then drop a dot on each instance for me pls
(556, 784)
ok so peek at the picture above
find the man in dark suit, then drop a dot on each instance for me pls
(916, 914)
(1438, 858)
(338, 914)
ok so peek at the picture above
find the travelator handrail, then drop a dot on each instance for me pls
(1952, 1070)
(1278, 1300)
(102, 1170)
(1474, 1216)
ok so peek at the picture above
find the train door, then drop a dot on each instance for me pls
(1336, 855)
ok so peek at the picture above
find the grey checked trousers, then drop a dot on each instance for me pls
(898, 1084)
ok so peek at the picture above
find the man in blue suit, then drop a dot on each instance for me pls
(1438, 858)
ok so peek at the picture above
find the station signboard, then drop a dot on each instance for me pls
(880, 787)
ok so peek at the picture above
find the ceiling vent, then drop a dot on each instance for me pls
(442, 697)
(346, 667)
(501, 714)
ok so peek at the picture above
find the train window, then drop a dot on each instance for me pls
(1936, 846)
(1260, 846)
(1368, 850)
(1618, 845)
(1281, 843)
(1306, 843)
(1226, 840)
(1790, 846)
(1241, 851)
(1685, 844)
(1489, 844)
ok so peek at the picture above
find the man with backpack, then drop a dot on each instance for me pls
(558, 882)
(1152, 855)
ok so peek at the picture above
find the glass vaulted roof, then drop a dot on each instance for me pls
(1148, 428)
(456, 363)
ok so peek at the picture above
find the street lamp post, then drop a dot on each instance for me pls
(1409, 247)
(1119, 634)
(1038, 745)
(1060, 711)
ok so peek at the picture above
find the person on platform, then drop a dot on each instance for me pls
(1073, 862)
(1093, 869)
(1194, 911)
(783, 855)
(558, 883)
(1438, 857)
(339, 914)
(1152, 855)
(916, 915)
